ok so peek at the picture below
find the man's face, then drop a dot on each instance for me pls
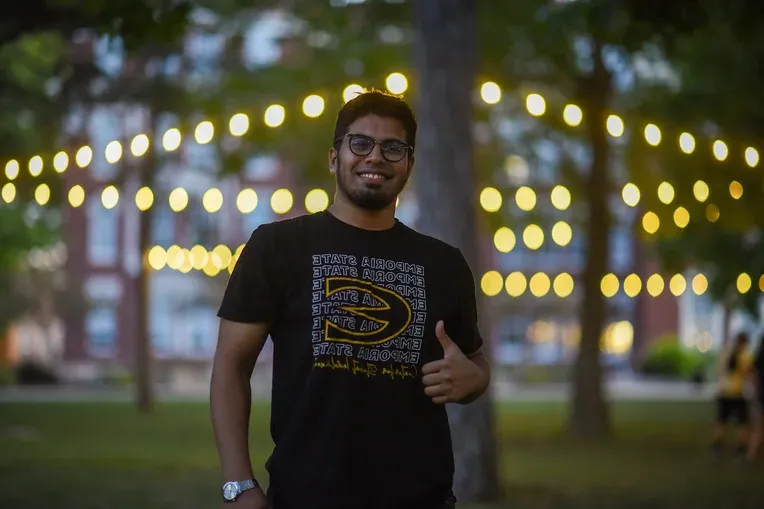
(372, 181)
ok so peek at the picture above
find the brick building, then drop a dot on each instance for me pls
(104, 258)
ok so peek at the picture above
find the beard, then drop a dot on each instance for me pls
(368, 196)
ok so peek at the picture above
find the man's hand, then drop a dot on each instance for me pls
(453, 378)
(250, 499)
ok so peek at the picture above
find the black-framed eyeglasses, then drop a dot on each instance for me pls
(362, 145)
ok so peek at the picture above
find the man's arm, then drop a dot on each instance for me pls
(481, 362)
(238, 347)
(472, 340)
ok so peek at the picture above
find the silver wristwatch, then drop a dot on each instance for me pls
(232, 489)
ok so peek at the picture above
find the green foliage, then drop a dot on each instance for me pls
(41, 72)
(28, 122)
(716, 48)
(7, 373)
(28, 112)
(332, 48)
(116, 376)
(137, 22)
(41, 77)
(666, 356)
(20, 232)
(722, 256)
(714, 52)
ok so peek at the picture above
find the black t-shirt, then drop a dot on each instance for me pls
(353, 316)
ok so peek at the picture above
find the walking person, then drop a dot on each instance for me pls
(374, 330)
(758, 383)
(731, 402)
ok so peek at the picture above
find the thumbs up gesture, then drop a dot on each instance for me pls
(453, 378)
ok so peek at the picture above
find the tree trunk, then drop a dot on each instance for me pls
(445, 56)
(144, 382)
(589, 416)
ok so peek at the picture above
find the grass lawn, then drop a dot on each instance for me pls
(88, 455)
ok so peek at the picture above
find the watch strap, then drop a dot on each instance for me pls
(241, 487)
(248, 484)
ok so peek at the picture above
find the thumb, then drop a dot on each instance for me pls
(443, 338)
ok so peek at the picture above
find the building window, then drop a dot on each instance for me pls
(511, 333)
(201, 157)
(202, 324)
(104, 127)
(547, 167)
(261, 168)
(262, 214)
(163, 225)
(202, 226)
(102, 233)
(620, 251)
(181, 328)
(161, 322)
(104, 294)
(101, 330)
(576, 249)
(165, 121)
(548, 255)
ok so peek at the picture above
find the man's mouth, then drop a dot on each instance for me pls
(373, 176)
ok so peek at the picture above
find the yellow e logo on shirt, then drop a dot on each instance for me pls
(381, 315)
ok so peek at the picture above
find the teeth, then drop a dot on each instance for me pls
(372, 176)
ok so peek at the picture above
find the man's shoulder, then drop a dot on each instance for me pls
(288, 225)
(430, 243)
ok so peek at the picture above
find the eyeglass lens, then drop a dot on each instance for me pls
(392, 150)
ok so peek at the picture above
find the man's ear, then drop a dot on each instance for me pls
(333, 160)
(411, 165)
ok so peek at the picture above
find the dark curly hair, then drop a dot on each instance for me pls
(380, 103)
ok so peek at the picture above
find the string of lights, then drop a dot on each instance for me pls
(539, 284)
(492, 283)
(491, 199)
(312, 107)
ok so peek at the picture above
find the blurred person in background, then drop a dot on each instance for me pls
(758, 384)
(731, 403)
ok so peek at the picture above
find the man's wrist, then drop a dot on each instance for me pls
(234, 489)
(481, 385)
(238, 471)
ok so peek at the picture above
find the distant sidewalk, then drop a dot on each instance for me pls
(504, 390)
(616, 389)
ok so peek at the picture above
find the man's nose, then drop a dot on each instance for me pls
(376, 154)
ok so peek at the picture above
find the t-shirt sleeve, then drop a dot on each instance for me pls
(468, 336)
(252, 293)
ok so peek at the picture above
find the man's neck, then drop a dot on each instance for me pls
(361, 218)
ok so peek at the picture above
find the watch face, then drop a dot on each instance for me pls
(230, 490)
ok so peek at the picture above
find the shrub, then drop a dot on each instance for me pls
(35, 373)
(117, 376)
(7, 376)
(666, 356)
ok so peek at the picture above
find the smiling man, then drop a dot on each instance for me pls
(374, 330)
